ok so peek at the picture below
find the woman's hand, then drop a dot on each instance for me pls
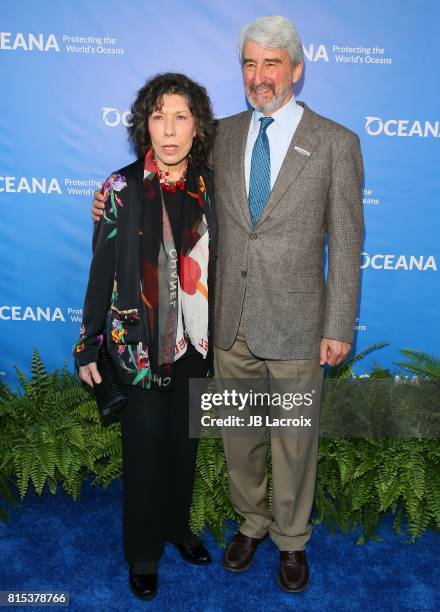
(89, 374)
(98, 205)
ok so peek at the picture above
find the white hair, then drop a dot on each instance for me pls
(274, 32)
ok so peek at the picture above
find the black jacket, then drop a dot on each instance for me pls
(115, 262)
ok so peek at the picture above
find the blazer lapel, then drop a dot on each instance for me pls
(237, 148)
(304, 141)
(209, 210)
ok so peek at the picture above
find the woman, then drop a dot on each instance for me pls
(151, 281)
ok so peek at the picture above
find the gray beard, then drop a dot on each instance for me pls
(270, 106)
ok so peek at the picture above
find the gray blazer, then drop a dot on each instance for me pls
(273, 274)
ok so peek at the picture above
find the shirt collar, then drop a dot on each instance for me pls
(283, 117)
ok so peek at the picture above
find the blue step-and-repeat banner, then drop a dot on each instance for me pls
(69, 72)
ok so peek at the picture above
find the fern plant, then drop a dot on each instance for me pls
(211, 505)
(52, 435)
(421, 364)
(8, 491)
(359, 480)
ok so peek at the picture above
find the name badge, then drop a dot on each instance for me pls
(302, 151)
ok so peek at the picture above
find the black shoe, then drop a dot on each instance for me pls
(198, 555)
(144, 586)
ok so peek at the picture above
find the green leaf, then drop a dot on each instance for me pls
(112, 200)
(6, 491)
(141, 374)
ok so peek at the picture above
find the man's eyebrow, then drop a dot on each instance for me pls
(276, 60)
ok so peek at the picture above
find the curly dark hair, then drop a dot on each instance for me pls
(150, 98)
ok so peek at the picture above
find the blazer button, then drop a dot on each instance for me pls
(253, 236)
(244, 274)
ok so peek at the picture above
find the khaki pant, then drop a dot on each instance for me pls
(294, 452)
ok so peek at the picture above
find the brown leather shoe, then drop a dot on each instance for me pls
(240, 552)
(293, 576)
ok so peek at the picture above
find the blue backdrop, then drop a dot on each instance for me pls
(70, 71)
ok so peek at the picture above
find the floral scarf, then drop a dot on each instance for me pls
(174, 285)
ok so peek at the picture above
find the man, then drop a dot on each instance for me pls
(285, 178)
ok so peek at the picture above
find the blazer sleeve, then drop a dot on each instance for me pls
(99, 289)
(345, 230)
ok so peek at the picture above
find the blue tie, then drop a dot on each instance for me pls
(259, 181)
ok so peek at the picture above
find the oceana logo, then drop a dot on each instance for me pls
(28, 42)
(31, 313)
(375, 126)
(113, 117)
(315, 53)
(13, 184)
(390, 261)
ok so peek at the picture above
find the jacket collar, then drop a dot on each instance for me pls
(300, 150)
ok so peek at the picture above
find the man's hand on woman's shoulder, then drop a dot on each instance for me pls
(98, 205)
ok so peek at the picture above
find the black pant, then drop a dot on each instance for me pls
(158, 464)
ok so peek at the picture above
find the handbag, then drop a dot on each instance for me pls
(109, 394)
